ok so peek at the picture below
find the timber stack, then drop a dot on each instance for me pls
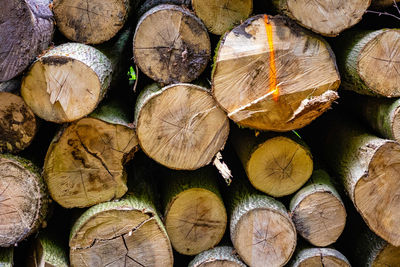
(199, 133)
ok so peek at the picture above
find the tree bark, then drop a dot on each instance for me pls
(7, 257)
(361, 53)
(18, 125)
(70, 80)
(224, 256)
(270, 74)
(381, 114)
(171, 45)
(27, 30)
(24, 200)
(382, 3)
(123, 232)
(260, 228)
(369, 169)
(84, 163)
(219, 16)
(277, 165)
(318, 211)
(324, 17)
(180, 126)
(149, 4)
(91, 22)
(319, 257)
(48, 252)
(194, 213)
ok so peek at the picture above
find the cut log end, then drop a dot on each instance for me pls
(320, 257)
(182, 127)
(219, 16)
(84, 166)
(376, 194)
(17, 123)
(326, 17)
(264, 237)
(195, 221)
(171, 45)
(120, 238)
(320, 218)
(279, 166)
(269, 74)
(90, 22)
(22, 201)
(381, 53)
(388, 256)
(26, 30)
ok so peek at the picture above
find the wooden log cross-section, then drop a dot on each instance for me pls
(180, 126)
(90, 22)
(23, 200)
(260, 228)
(361, 53)
(369, 169)
(325, 17)
(220, 15)
(194, 213)
(26, 30)
(271, 74)
(318, 211)
(171, 45)
(127, 232)
(275, 164)
(318, 257)
(84, 163)
(224, 256)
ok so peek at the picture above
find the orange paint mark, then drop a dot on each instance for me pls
(273, 85)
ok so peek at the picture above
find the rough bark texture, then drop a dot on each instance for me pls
(149, 4)
(84, 163)
(18, 124)
(260, 228)
(369, 169)
(90, 22)
(361, 53)
(325, 17)
(67, 82)
(194, 213)
(6, 257)
(180, 126)
(318, 211)
(275, 164)
(26, 30)
(23, 199)
(270, 74)
(223, 256)
(381, 114)
(48, 252)
(220, 16)
(122, 233)
(171, 45)
(309, 257)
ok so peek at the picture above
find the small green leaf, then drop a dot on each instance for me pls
(296, 133)
(132, 74)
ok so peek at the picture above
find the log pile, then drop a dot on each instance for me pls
(155, 168)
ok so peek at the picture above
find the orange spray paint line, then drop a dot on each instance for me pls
(273, 86)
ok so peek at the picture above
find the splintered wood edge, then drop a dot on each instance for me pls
(68, 147)
(219, 16)
(320, 217)
(29, 215)
(299, 161)
(325, 19)
(319, 256)
(224, 256)
(17, 123)
(376, 193)
(192, 211)
(73, 17)
(381, 53)
(216, 139)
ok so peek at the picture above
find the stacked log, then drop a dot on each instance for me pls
(319, 257)
(218, 256)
